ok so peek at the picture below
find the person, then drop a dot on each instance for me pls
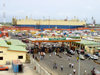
(89, 58)
(50, 55)
(93, 71)
(70, 74)
(55, 53)
(68, 58)
(33, 55)
(93, 68)
(61, 67)
(77, 58)
(40, 57)
(55, 66)
(34, 67)
(85, 72)
(74, 71)
(43, 54)
(72, 65)
(36, 58)
(38, 53)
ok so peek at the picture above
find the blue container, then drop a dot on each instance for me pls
(0, 32)
(15, 67)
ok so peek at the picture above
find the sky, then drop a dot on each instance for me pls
(53, 9)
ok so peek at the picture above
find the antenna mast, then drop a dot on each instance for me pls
(4, 13)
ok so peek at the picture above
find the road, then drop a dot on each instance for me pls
(86, 64)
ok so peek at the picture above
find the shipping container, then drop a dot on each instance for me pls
(17, 66)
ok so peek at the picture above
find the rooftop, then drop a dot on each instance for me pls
(14, 45)
(87, 42)
(3, 43)
(17, 48)
(16, 42)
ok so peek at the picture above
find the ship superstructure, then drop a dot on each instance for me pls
(41, 24)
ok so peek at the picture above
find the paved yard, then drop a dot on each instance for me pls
(28, 70)
(86, 64)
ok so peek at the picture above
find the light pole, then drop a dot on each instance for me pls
(79, 65)
(4, 14)
(79, 59)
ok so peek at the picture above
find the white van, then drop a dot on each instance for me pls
(81, 57)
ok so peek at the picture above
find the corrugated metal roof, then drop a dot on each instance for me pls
(3, 43)
(17, 48)
(16, 42)
(16, 45)
(86, 42)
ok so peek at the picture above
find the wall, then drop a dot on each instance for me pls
(11, 55)
(89, 50)
(4, 49)
(97, 39)
(15, 55)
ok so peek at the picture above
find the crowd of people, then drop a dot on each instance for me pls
(36, 49)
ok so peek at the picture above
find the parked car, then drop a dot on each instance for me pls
(81, 57)
(98, 54)
(86, 56)
(71, 52)
(94, 57)
(2, 68)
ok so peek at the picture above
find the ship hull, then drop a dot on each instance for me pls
(52, 26)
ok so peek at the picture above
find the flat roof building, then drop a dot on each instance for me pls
(12, 50)
(88, 46)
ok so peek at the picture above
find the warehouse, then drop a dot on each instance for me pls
(88, 46)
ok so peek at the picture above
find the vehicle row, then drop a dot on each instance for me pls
(84, 56)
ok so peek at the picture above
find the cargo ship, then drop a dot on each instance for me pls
(43, 24)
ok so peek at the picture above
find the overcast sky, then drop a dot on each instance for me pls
(56, 9)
